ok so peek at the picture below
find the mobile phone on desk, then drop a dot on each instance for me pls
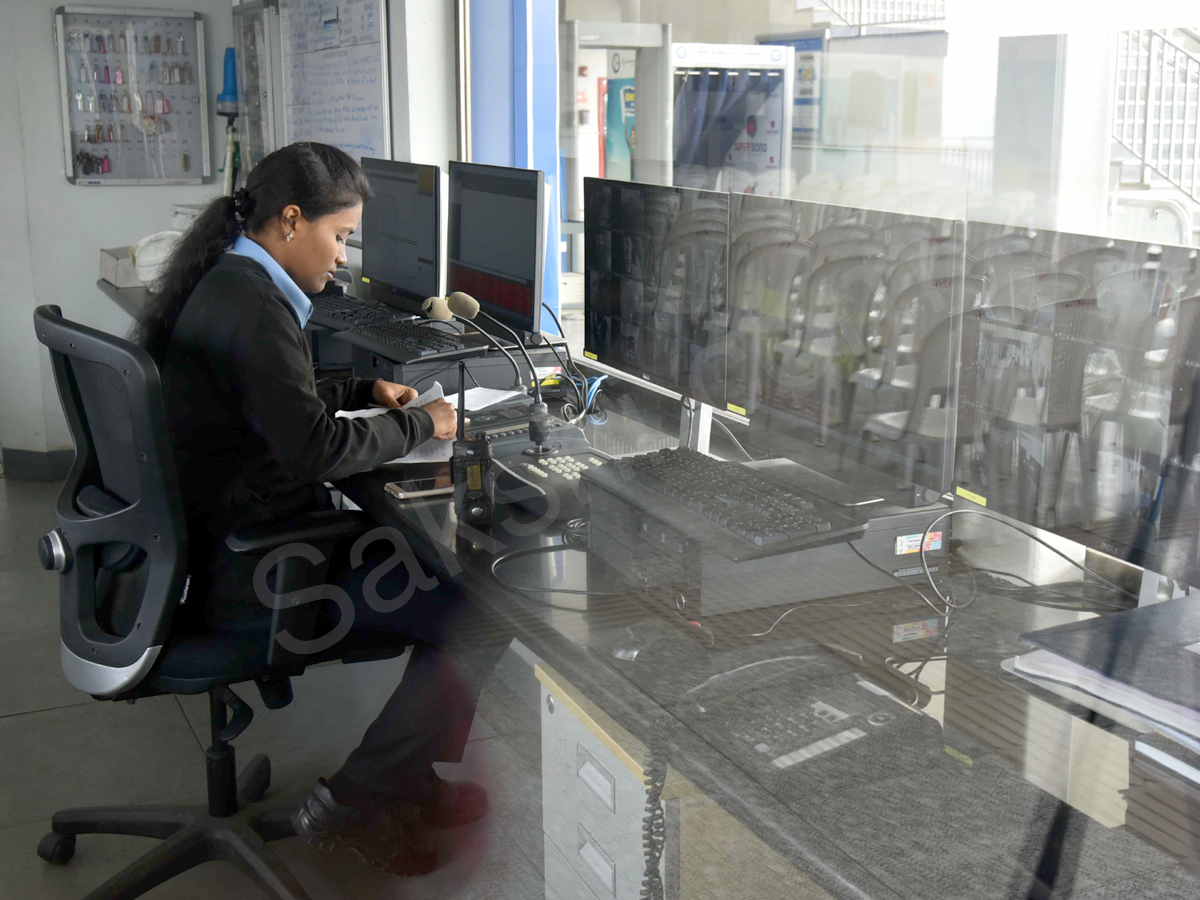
(425, 481)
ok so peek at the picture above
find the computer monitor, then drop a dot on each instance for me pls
(401, 233)
(1077, 417)
(497, 237)
(841, 322)
(654, 296)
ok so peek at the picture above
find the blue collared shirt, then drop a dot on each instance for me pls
(298, 300)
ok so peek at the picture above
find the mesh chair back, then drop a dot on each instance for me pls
(119, 512)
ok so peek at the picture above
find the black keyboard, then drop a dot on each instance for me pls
(335, 311)
(741, 512)
(407, 340)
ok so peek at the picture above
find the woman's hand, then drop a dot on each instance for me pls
(445, 419)
(387, 393)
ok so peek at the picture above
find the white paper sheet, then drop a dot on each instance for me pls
(430, 451)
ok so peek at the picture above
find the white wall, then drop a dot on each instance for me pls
(51, 232)
(423, 81)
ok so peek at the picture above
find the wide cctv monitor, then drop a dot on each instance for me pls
(843, 330)
(655, 296)
(401, 233)
(1077, 414)
(496, 242)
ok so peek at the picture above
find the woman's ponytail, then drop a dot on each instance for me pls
(194, 254)
(318, 178)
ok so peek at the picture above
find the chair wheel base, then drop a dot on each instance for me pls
(57, 849)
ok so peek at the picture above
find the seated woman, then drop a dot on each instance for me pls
(255, 436)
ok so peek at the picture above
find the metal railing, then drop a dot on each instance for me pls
(886, 12)
(1156, 116)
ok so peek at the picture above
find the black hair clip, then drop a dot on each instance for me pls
(243, 203)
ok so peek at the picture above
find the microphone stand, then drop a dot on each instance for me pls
(539, 415)
(495, 343)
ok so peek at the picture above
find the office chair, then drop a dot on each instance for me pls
(120, 546)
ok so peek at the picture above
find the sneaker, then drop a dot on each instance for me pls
(384, 834)
(454, 803)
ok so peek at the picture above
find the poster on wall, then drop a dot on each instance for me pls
(732, 117)
(810, 48)
(620, 122)
(335, 74)
(133, 95)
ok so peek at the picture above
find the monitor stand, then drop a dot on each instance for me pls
(695, 424)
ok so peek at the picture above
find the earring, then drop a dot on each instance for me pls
(289, 237)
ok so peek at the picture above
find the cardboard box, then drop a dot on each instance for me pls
(117, 268)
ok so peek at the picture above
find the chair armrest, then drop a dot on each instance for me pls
(309, 528)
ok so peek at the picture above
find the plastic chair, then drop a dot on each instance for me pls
(1035, 291)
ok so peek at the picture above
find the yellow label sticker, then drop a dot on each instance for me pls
(959, 755)
(474, 478)
(740, 410)
(971, 495)
(364, 279)
(590, 355)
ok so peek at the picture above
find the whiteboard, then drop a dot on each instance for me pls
(335, 74)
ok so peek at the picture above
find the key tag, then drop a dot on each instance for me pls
(111, 139)
(119, 77)
(163, 103)
(105, 79)
(125, 103)
(153, 76)
(137, 101)
(96, 74)
(91, 103)
(99, 43)
(145, 43)
(79, 100)
(83, 74)
(179, 45)
(186, 74)
(105, 165)
(158, 43)
(121, 44)
(149, 105)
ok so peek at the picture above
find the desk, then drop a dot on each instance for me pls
(948, 792)
(959, 774)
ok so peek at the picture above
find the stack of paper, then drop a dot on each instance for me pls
(435, 450)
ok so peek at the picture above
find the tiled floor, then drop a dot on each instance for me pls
(60, 748)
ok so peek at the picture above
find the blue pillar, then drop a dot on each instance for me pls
(514, 104)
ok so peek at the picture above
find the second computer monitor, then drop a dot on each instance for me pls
(401, 233)
(495, 250)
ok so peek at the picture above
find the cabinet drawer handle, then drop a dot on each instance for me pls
(598, 781)
(598, 862)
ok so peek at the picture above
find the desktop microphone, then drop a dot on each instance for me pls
(466, 306)
(438, 309)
